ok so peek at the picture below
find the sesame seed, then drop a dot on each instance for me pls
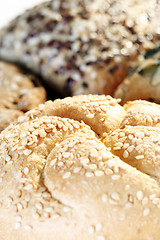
(77, 169)
(8, 158)
(19, 207)
(66, 154)
(145, 201)
(127, 187)
(116, 148)
(101, 238)
(151, 197)
(27, 152)
(125, 145)
(146, 212)
(66, 209)
(115, 196)
(17, 225)
(66, 175)
(26, 170)
(28, 227)
(130, 198)
(76, 125)
(93, 166)
(21, 119)
(104, 198)
(28, 187)
(60, 164)
(138, 147)
(139, 195)
(9, 199)
(130, 136)
(111, 163)
(90, 116)
(27, 198)
(52, 163)
(139, 157)
(98, 173)
(18, 218)
(139, 134)
(98, 227)
(130, 148)
(89, 174)
(84, 161)
(125, 154)
(108, 171)
(91, 230)
(48, 209)
(122, 134)
(38, 206)
(116, 169)
(41, 107)
(103, 108)
(115, 177)
(119, 144)
(42, 133)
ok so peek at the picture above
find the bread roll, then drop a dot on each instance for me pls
(82, 46)
(61, 180)
(19, 92)
(144, 80)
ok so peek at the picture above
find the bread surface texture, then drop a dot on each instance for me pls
(71, 169)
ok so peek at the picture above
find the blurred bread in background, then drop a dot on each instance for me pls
(19, 92)
(82, 46)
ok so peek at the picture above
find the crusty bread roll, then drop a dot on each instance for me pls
(62, 178)
(19, 92)
(82, 46)
(144, 80)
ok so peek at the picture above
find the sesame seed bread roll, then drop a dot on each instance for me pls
(139, 146)
(60, 180)
(19, 92)
(141, 112)
(82, 46)
(102, 113)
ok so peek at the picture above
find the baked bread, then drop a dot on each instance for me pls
(19, 93)
(82, 46)
(61, 180)
(144, 80)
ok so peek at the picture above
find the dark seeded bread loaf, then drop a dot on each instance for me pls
(82, 46)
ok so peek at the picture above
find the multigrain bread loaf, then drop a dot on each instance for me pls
(82, 46)
(64, 177)
(19, 92)
(143, 82)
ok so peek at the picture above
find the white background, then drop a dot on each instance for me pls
(12, 8)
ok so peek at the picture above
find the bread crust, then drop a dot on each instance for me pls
(61, 180)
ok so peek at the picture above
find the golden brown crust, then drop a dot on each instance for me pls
(141, 112)
(102, 113)
(59, 180)
(8, 116)
(18, 93)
